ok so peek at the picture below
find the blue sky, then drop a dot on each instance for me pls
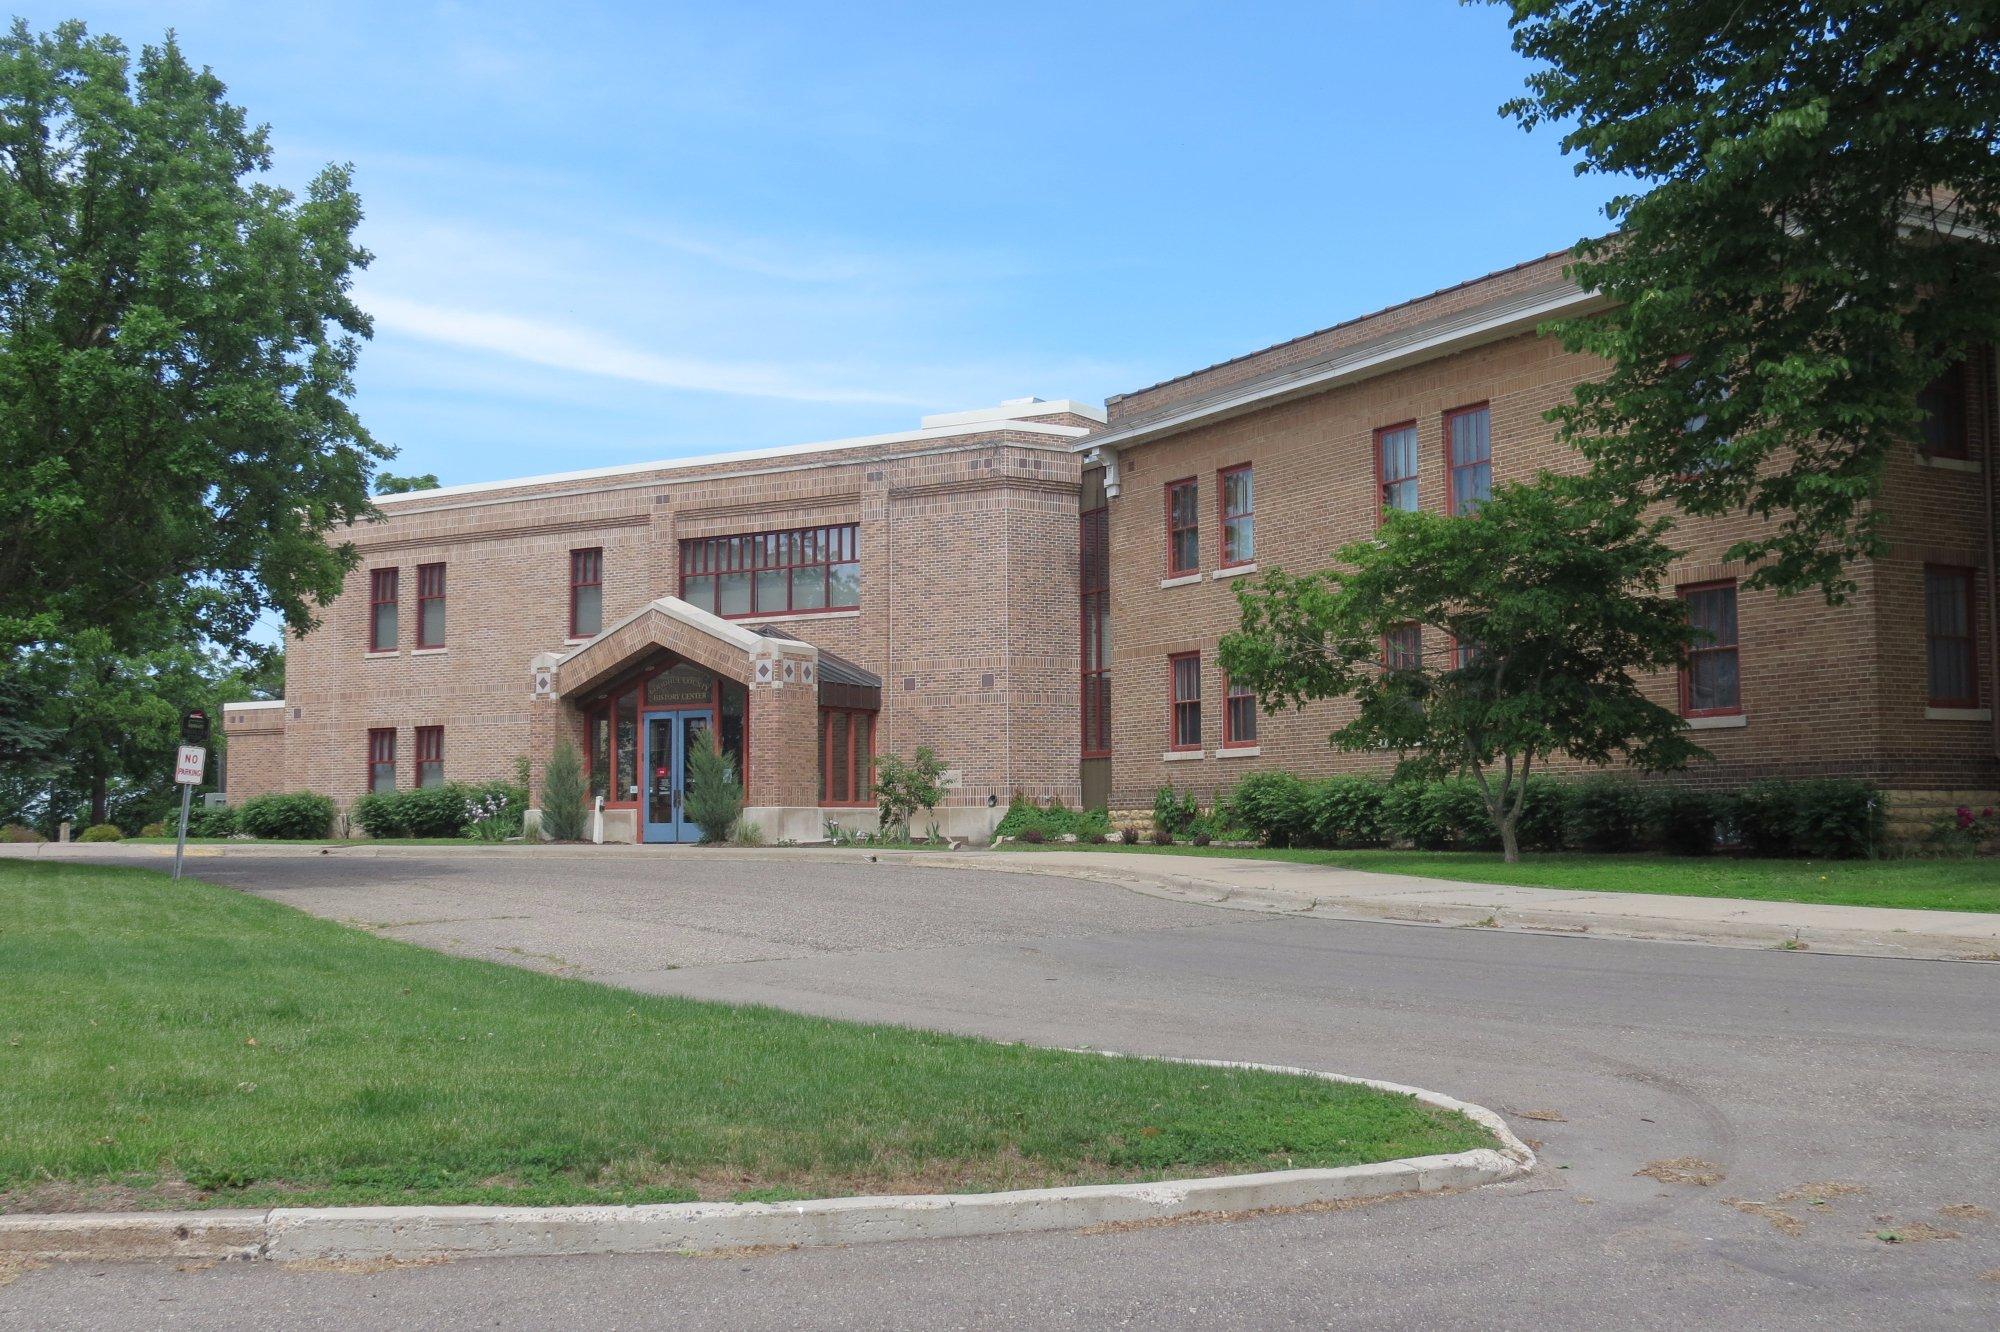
(615, 232)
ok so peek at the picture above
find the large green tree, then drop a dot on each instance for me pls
(1531, 619)
(1808, 243)
(177, 345)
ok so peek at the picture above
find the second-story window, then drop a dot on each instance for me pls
(430, 755)
(1711, 685)
(586, 592)
(800, 572)
(1183, 528)
(1403, 648)
(1184, 680)
(382, 585)
(1943, 404)
(430, 605)
(1396, 465)
(1468, 442)
(1239, 534)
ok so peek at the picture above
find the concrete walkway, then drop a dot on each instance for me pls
(1278, 887)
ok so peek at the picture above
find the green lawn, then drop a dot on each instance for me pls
(313, 841)
(171, 1044)
(1932, 885)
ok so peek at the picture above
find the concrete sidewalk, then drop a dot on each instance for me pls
(1317, 890)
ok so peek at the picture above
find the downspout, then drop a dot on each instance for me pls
(1992, 419)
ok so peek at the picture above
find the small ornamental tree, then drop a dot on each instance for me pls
(564, 795)
(714, 796)
(901, 789)
(1534, 614)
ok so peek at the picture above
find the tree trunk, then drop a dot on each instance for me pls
(100, 803)
(1510, 841)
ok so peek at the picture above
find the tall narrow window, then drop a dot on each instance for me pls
(430, 605)
(1239, 535)
(382, 760)
(586, 592)
(430, 756)
(1183, 528)
(382, 610)
(1468, 442)
(1710, 682)
(846, 756)
(600, 753)
(1948, 637)
(1239, 715)
(1943, 404)
(1184, 675)
(1396, 465)
(1094, 585)
(1403, 648)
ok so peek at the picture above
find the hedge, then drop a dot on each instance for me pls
(286, 816)
(101, 832)
(1034, 823)
(212, 821)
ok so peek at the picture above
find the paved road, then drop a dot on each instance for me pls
(1785, 1070)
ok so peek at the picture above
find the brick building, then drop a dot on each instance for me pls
(1036, 591)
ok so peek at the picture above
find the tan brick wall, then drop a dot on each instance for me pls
(255, 741)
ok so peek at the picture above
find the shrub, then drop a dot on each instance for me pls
(1273, 805)
(1346, 812)
(1605, 813)
(286, 816)
(1129, 835)
(1456, 809)
(20, 832)
(1200, 837)
(101, 832)
(212, 821)
(901, 789)
(427, 811)
(1540, 827)
(746, 833)
(1032, 835)
(155, 830)
(1959, 833)
(493, 810)
(1053, 822)
(564, 795)
(1163, 836)
(1836, 818)
(1686, 822)
(1174, 812)
(714, 796)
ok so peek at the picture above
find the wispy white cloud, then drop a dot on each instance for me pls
(587, 351)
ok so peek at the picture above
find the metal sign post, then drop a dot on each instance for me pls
(189, 765)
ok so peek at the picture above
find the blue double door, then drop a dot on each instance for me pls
(669, 735)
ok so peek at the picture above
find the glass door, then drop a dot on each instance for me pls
(668, 735)
(691, 729)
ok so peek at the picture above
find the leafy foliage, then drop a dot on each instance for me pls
(177, 346)
(1031, 822)
(286, 816)
(1788, 273)
(564, 812)
(1605, 813)
(425, 811)
(101, 832)
(1554, 587)
(714, 795)
(387, 483)
(216, 821)
(901, 789)
(1175, 812)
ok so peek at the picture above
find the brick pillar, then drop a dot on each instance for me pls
(784, 728)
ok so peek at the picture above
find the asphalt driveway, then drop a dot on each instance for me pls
(1828, 1101)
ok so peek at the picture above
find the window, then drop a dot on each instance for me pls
(1710, 682)
(800, 572)
(1943, 405)
(1184, 674)
(1239, 533)
(600, 754)
(382, 610)
(1183, 528)
(1403, 648)
(430, 756)
(1239, 714)
(586, 593)
(1094, 584)
(846, 756)
(1948, 637)
(1468, 442)
(430, 605)
(382, 760)
(1396, 465)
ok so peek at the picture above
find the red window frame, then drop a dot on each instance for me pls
(1698, 650)
(430, 753)
(586, 569)
(1382, 478)
(1232, 695)
(1183, 710)
(1969, 607)
(430, 588)
(1094, 630)
(1950, 386)
(1193, 525)
(1452, 467)
(786, 551)
(381, 755)
(1403, 647)
(383, 589)
(1224, 514)
(860, 742)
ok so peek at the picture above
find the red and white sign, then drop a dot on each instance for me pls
(190, 766)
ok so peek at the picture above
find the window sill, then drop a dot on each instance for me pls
(1958, 714)
(382, 655)
(1948, 464)
(1182, 755)
(1235, 570)
(1239, 751)
(576, 642)
(429, 652)
(853, 614)
(1723, 723)
(1181, 580)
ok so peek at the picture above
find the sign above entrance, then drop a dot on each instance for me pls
(682, 686)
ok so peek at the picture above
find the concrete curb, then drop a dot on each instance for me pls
(408, 1234)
